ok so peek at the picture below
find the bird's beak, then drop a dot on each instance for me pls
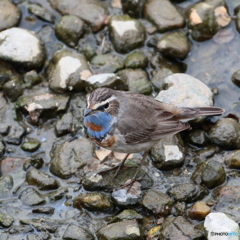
(87, 111)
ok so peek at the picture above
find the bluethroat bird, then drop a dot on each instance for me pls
(130, 123)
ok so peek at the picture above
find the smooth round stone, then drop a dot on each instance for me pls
(158, 12)
(41, 12)
(31, 146)
(10, 14)
(22, 47)
(136, 60)
(199, 211)
(236, 78)
(234, 160)
(126, 33)
(184, 90)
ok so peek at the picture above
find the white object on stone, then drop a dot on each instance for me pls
(172, 153)
(123, 26)
(101, 78)
(219, 226)
(185, 91)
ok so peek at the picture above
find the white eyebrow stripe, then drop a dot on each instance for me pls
(103, 102)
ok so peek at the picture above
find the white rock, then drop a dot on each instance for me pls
(185, 91)
(22, 46)
(172, 152)
(220, 226)
(101, 78)
(123, 26)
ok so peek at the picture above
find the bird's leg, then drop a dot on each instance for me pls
(136, 173)
(120, 165)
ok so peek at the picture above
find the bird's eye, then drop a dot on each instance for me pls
(105, 106)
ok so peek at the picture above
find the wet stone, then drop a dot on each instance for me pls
(179, 209)
(42, 104)
(198, 138)
(41, 180)
(187, 192)
(158, 78)
(199, 211)
(31, 197)
(133, 8)
(166, 155)
(6, 184)
(124, 230)
(68, 158)
(31, 79)
(22, 47)
(67, 71)
(226, 133)
(128, 214)
(69, 30)
(107, 63)
(20, 229)
(10, 15)
(74, 232)
(237, 20)
(153, 233)
(58, 194)
(236, 78)
(158, 12)
(31, 145)
(136, 60)
(234, 160)
(92, 12)
(6, 220)
(2, 148)
(44, 210)
(32, 236)
(16, 134)
(109, 80)
(126, 33)
(137, 80)
(41, 12)
(179, 228)
(157, 202)
(174, 44)
(93, 202)
(63, 125)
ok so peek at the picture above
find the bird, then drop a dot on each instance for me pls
(127, 122)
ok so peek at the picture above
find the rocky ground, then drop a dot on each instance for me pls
(53, 184)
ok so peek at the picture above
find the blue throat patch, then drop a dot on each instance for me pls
(103, 120)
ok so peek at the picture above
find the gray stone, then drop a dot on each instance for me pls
(31, 197)
(41, 12)
(63, 125)
(6, 184)
(234, 160)
(158, 12)
(75, 232)
(31, 79)
(68, 158)
(218, 223)
(69, 30)
(158, 78)
(126, 33)
(31, 145)
(67, 71)
(198, 137)
(16, 134)
(32, 236)
(136, 60)
(125, 230)
(22, 47)
(41, 180)
(128, 214)
(236, 78)
(58, 194)
(6, 220)
(10, 14)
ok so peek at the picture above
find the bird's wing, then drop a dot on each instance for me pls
(143, 119)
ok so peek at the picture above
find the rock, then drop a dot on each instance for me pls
(109, 80)
(158, 78)
(228, 200)
(133, 8)
(137, 80)
(69, 30)
(174, 44)
(124, 230)
(10, 15)
(64, 125)
(179, 228)
(31, 145)
(44, 210)
(23, 48)
(126, 33)
(153, 233)
(41, 180)
(2, 148)
(92, 12)
(206, 18)
(100, 202)
(38, 105)
(179, 209)
(237, 20)
(219, 226)
(58, 194)
(31, 197)
(16, 134)
(31, 79)
(128, 214)
(6, 220)
(32, 236)
(234, 160)
(6, 184)
(41, 12)
(199, 211)
(167, 155)
(198, 138)
(75, 232)
(68, 158)
(226, 133)
(67, 71)
(13, 89)
(187, 192)
(187, 91)
(158, 12)
(236, 78)
(136, 60)
(157, 202)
